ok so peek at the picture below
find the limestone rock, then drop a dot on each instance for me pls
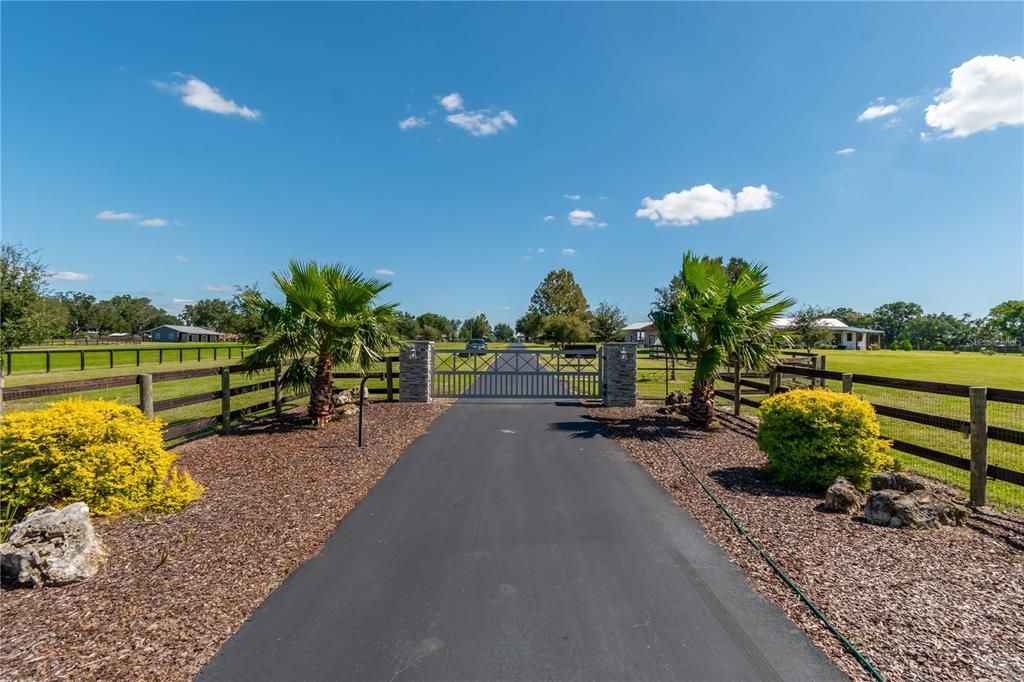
(675, 398)
(893, 480)
(916, 509)
(52, 547)
(348, 396)
(842, 497)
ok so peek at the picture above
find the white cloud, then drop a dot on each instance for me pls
(182, 259)
(481, 123)
(182, 300)
(505, 307)
(572, 197)
(66, 276)
(452, 102)
(153, 222)
(880, 109)
(704, 202)
(581, 218)
(384, 271)
(199, 95)
(527, 257)
(568, 252)
(413, 122)
(219, 288)
(541, 249)
(984, 93)
(548, 218)
(117, 215)
(845, 151)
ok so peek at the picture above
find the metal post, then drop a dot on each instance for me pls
(390, 369)
(979, 445)
(146, 394)
(362, 400)
(225, 401)
(847, 382)
(736, 405)
(277, 391)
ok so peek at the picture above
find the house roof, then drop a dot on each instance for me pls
(639, 327)
(182, 329)
(832, 323)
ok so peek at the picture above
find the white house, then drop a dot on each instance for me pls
(643, 333)
(843, 335)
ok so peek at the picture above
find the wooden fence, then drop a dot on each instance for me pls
(976, 427)
(169, 354)
(193, 427)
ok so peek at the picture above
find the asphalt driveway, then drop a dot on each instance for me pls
(513, 541)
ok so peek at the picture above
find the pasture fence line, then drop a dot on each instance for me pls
(975, 430)
(116, 357)
(229, 414)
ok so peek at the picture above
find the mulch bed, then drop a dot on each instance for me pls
(176, 586)
(943, 604)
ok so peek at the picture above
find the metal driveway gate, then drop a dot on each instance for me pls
(517, 373)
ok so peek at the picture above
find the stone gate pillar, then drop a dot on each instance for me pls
(415, 367)
(618, 388)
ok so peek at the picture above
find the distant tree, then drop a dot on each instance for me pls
(406, 326)
(607, 322)
(716, 321)
(79, 307)
(1007, 319)
(564, 329)
(476, 328)
(735, 267)
(212, 313)
(842, 313)
(892, 318)
(441, 326)
(25, 316)
(932, 332)
(559, 294)
(530, 325)
(808, 327)
(504, 332)
(134, 315)
(249, 320)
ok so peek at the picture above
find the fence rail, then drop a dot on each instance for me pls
(43, 359)
(193, 427)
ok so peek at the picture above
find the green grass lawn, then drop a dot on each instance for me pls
(972, 369)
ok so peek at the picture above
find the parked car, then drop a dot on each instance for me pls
(476, 345)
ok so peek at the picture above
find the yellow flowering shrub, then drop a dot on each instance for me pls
(813, 435)
(108, 455)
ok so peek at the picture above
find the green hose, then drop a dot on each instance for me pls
(775, 567)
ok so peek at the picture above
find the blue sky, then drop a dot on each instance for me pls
(245, 134)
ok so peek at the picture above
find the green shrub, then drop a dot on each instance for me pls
(813, 435)
(906, 345)
(108, 455)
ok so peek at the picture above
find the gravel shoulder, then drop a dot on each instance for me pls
(176, 586)
(943, 604)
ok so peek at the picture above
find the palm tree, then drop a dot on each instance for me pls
(328, 318)
(714, 319)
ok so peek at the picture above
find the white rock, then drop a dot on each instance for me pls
(52, 547)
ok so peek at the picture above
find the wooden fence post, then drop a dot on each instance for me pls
(847, 382)
(277, 391)
(821, 366)
(161, 356)
(47, 361)
(138, 357)
(979, 445)
(389, 367)
(181, 355)
(736, 391)
(10, 363)
(81, 360)
(225, 401)
(146, 394)
(111, 353)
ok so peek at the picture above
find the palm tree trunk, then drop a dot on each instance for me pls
(702, 402)
(321, 399)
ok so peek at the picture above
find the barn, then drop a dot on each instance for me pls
(183, 334)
